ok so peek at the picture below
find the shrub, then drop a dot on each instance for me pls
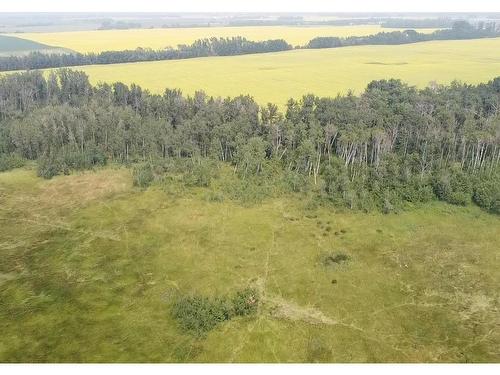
(11, 161)
(65, 161)
(251, 156)
(336, 178)
(215, 196)
(75, 160)
(487, 194)
(200, 173)
(495, 207)
(387, 206)
(417, 191)
(295, 181)
(250, 190)
(87, 159)
(331, 259)
(199, 315)
(96, 156)
(459, 198)
(245, 302)
(49, 166)
(143, 175)
(453, 186)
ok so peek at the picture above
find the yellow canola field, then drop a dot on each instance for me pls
(114, 40)
(276, 77)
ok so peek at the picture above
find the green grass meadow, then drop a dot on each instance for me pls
(11, 45)
(90, 266)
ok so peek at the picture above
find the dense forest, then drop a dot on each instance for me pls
(391, 146)
(239, 46)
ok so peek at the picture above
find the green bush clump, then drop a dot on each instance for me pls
(198, 315)
(453, 186)
(215, 196)
(77, 160)
(487, 194)
(417, 191)
(68, 160)
(49, 166)
(296, 182)
(245, 302)
(250, 190)
(332, 259)
(143, 175)
(200, 173)
(11, 161)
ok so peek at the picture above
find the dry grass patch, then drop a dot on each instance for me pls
(283, 309)
(78, 190)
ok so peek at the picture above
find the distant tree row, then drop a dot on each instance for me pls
(418, 23)
(200, 48)
(238, 46)
(459, 30)
(118, 25)
(392, 144)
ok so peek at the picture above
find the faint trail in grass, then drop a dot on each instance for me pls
(408, 304)
(69, 229)
(261, 287)
(480, 339)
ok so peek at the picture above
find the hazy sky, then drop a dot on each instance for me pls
(249, 5)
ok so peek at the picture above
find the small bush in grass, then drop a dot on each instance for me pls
(453, 186)
(331, 259)
(487, 194)
(459, 198)
(245, 302)
(495, 207)
(198, 315)
(215, 196)
(49, 166)
(78, 160)
(68, 160)
(11, 161)
(200, 173)
(415, 190)
(143, 175)
(296, 182)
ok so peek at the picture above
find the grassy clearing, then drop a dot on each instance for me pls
(276, 77)
(106, 40)
(12, 45)
(91, 266)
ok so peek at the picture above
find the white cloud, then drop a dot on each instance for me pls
(249, 5)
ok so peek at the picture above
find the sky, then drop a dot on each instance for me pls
(249, 5)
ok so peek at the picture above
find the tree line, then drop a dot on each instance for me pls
(238, 46)
(200, 48)
(460, 30)
(392, 145)
(415, 23)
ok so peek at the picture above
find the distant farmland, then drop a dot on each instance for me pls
(112, 40)
(276, 77)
